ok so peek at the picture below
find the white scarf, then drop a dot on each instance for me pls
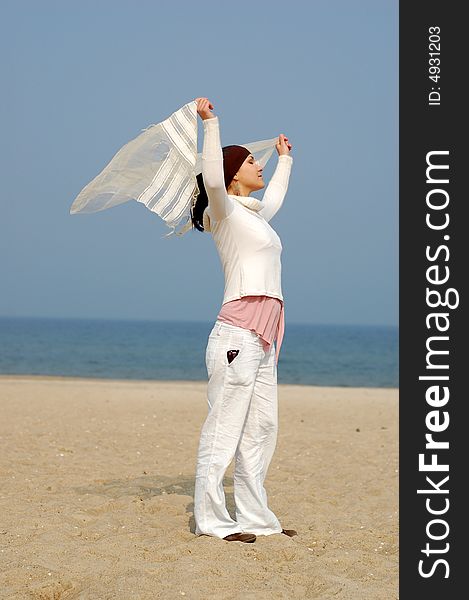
(158, 168)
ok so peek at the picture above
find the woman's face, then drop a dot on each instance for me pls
(249, 175)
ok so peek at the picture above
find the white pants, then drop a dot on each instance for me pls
(242, 422)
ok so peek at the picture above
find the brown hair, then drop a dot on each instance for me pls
(233, 158)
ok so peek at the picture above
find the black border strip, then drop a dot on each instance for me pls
(432, 124)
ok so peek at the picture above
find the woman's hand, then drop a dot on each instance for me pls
(283, 145)
(204, 108)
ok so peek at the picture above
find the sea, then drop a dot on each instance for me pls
(322, 355)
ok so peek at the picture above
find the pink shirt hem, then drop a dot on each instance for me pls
(262, 314)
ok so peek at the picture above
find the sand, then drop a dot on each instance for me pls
(97, 481)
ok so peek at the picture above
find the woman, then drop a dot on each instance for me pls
(241, 363)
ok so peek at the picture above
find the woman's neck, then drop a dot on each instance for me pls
(239, 190)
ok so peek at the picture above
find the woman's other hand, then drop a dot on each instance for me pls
(204, 108)
(283, 145)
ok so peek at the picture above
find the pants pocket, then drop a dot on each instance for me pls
(231, 355)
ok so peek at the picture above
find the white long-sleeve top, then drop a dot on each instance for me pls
(248, 247)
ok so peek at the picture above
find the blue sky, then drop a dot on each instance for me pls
(83, 78)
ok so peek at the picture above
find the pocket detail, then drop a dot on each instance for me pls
(231, 355)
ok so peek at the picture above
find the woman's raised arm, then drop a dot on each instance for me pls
(278, 184)
(212, 163)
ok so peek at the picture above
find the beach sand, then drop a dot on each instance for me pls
(97, 482)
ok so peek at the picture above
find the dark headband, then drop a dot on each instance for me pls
(233, 158)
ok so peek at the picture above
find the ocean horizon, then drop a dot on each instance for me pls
(322, 355)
